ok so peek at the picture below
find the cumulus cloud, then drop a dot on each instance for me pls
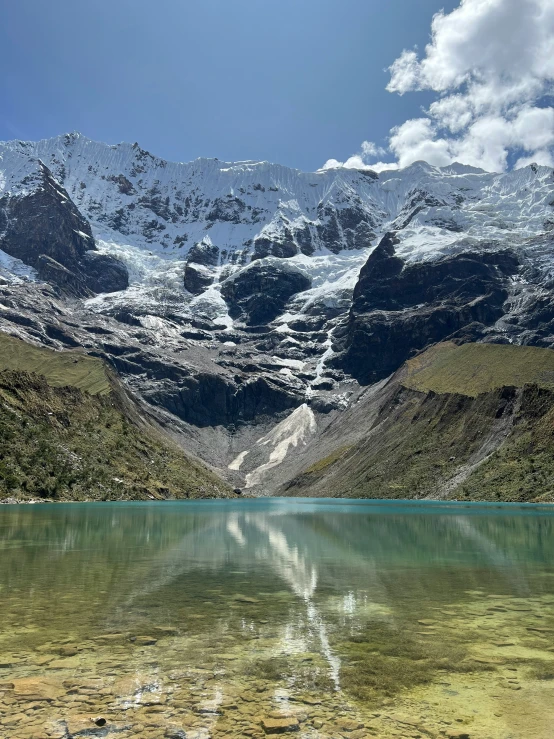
(491, 65)
(367, 151)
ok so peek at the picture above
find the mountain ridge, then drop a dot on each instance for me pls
(229, 296)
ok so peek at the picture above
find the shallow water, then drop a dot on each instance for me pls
(241, 618)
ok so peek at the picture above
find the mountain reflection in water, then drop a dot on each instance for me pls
(346, 606)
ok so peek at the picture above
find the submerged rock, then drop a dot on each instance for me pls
(85, 725)
(38, 688)
(280, 725)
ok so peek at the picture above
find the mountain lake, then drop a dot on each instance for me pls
(246, 618)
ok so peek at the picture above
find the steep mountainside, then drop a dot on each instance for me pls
(245, 302)
(69, 431)
(465, 422)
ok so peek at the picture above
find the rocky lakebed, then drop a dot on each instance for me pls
(254, 618)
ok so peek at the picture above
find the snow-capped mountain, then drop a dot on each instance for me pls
(230, 294)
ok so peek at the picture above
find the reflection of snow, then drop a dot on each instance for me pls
(295, 569)
(290, 564)
(333, 661)
(349, 603)
(234, 529)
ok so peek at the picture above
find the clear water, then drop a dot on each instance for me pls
(241, 618)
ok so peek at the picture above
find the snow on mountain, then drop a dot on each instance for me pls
(293, 431)
(235, 302)
(131, 196)
(149, 213)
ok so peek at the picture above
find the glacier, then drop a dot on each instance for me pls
(184, 230)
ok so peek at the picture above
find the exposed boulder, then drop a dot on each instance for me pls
(400, 308)
(258, 293)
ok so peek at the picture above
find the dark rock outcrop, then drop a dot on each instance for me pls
(347, 227)
(213, 400)
(68, 281)
(259, 293)
(204, 253)
(104, 273)
(283, 248)
(45, 222)
(45, 230)
(197, 278)
(400, 308)
(198, 273)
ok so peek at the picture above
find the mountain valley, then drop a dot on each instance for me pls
(261, 317)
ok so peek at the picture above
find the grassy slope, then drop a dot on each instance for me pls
(522, 468)
(65, 443)
(59, 368)
(453, 414)
(472, 369)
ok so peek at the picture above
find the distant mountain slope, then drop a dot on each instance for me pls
(473, 369)
(72, 433)
(59, 369)
(463, 422)
(247, 302)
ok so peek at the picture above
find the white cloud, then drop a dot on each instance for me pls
(368, 149)
(542, 157)
(491, 65)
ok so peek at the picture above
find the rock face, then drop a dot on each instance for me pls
(69, 282)
(399, 308)
(45, 230)
(259, 293)
(103, 273)
(199, 272)
(231, 295)
(44, 221)
(209, 399)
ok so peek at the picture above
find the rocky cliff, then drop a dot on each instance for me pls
(231, 297)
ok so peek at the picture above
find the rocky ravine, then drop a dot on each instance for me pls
(247, 302)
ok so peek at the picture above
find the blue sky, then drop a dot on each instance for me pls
(290, 81)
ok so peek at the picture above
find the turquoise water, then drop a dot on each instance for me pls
(241, 618)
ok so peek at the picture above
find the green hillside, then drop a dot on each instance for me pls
(59, 368)
(80, 437)
(471, 369)
(471, 422)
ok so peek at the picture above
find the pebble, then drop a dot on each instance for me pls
(347, 724)
(145, 641)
